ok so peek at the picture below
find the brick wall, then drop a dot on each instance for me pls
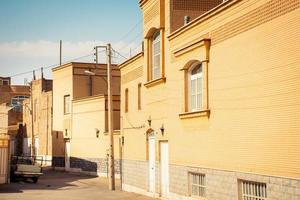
(191, 8)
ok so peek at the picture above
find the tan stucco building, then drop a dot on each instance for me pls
(210, 109)
(80, 117)
(37, 110)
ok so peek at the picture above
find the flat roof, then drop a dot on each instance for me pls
(79, 63)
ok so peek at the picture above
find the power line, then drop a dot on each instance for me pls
(51, 66)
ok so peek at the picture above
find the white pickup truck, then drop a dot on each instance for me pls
(25, 167)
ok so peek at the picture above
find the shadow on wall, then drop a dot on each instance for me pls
(58, 149)
(19, 140)
(94, 165)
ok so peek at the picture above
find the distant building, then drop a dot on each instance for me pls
(13, 96)
(80, 117)
(38, 109)
(210, 109)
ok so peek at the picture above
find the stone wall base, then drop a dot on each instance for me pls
(219, 184)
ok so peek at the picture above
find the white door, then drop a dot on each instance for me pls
(67, 154)
(164, 164)
(151, 147)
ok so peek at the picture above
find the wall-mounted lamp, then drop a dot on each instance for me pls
(162, 129)
(149, 121)
(89, 73)
(97, 132)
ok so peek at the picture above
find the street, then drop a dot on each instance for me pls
(66, 186)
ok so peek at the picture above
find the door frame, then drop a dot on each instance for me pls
(161, 169)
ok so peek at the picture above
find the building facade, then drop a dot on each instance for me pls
(37, 110)
(4, 144)
(210, 109)
(13, 96)
(80, 117)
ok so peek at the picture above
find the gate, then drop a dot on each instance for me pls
(4, 157)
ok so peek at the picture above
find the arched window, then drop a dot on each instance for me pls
(156, 72)
(195, 87)
(17, 102)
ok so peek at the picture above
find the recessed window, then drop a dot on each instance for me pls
(195, 87)
(126, 100)
(139, 96)
(197, 184)
(67, 104)
(252, 190)
(156, 69)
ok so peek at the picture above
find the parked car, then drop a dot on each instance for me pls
(26, 167)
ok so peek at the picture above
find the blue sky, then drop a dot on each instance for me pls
(31, 30)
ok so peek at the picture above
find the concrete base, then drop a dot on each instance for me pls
(220, 184)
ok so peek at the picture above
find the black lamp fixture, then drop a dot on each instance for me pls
(149, 120)
(162, 129)
(97, 132)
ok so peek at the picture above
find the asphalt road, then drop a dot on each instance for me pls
(65, 186)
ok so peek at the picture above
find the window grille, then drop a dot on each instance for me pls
(253, 190)
(197, 184)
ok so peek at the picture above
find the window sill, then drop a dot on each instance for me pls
(200, 113)
(155, 82)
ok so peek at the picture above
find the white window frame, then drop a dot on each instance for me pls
(191, 78)
(156, 40)
(249, 190)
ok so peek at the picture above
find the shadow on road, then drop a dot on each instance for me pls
(49, 181)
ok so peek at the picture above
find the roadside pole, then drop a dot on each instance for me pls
(111, 159)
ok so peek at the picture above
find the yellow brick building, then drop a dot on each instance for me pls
(80, 117)
(210, 108)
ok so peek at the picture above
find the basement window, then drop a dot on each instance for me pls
(197, 184)
(252, 190)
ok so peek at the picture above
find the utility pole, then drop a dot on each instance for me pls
(32, 119)
(111, 159)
